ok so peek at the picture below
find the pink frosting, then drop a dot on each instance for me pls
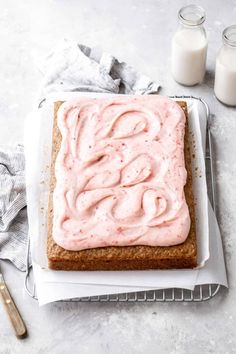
(120, 173)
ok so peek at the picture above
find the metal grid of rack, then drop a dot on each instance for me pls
(198, 294)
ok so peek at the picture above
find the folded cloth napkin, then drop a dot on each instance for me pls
(13, 215)
(75, 67)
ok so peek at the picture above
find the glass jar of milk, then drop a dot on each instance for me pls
(225, 75)
(189, 47)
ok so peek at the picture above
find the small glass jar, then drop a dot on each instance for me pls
(225, 72)
(189, 47)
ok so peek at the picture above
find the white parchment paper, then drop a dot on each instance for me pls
(56, 285)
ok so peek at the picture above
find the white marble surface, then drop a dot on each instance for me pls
(138, 32)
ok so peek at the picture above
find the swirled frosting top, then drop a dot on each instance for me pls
(120, 173)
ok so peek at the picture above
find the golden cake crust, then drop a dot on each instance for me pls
(128, 257)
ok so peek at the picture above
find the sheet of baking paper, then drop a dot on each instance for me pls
(38, 147)
(55, 291)
(149, 278)
(214, 271)
(42, 168)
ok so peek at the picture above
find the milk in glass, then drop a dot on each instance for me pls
(189, 47)
(225, 72)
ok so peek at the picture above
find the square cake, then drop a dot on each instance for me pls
(121, 185)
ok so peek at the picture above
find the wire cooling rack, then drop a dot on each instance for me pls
(200, 292)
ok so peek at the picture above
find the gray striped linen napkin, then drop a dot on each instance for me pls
(13, 214)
